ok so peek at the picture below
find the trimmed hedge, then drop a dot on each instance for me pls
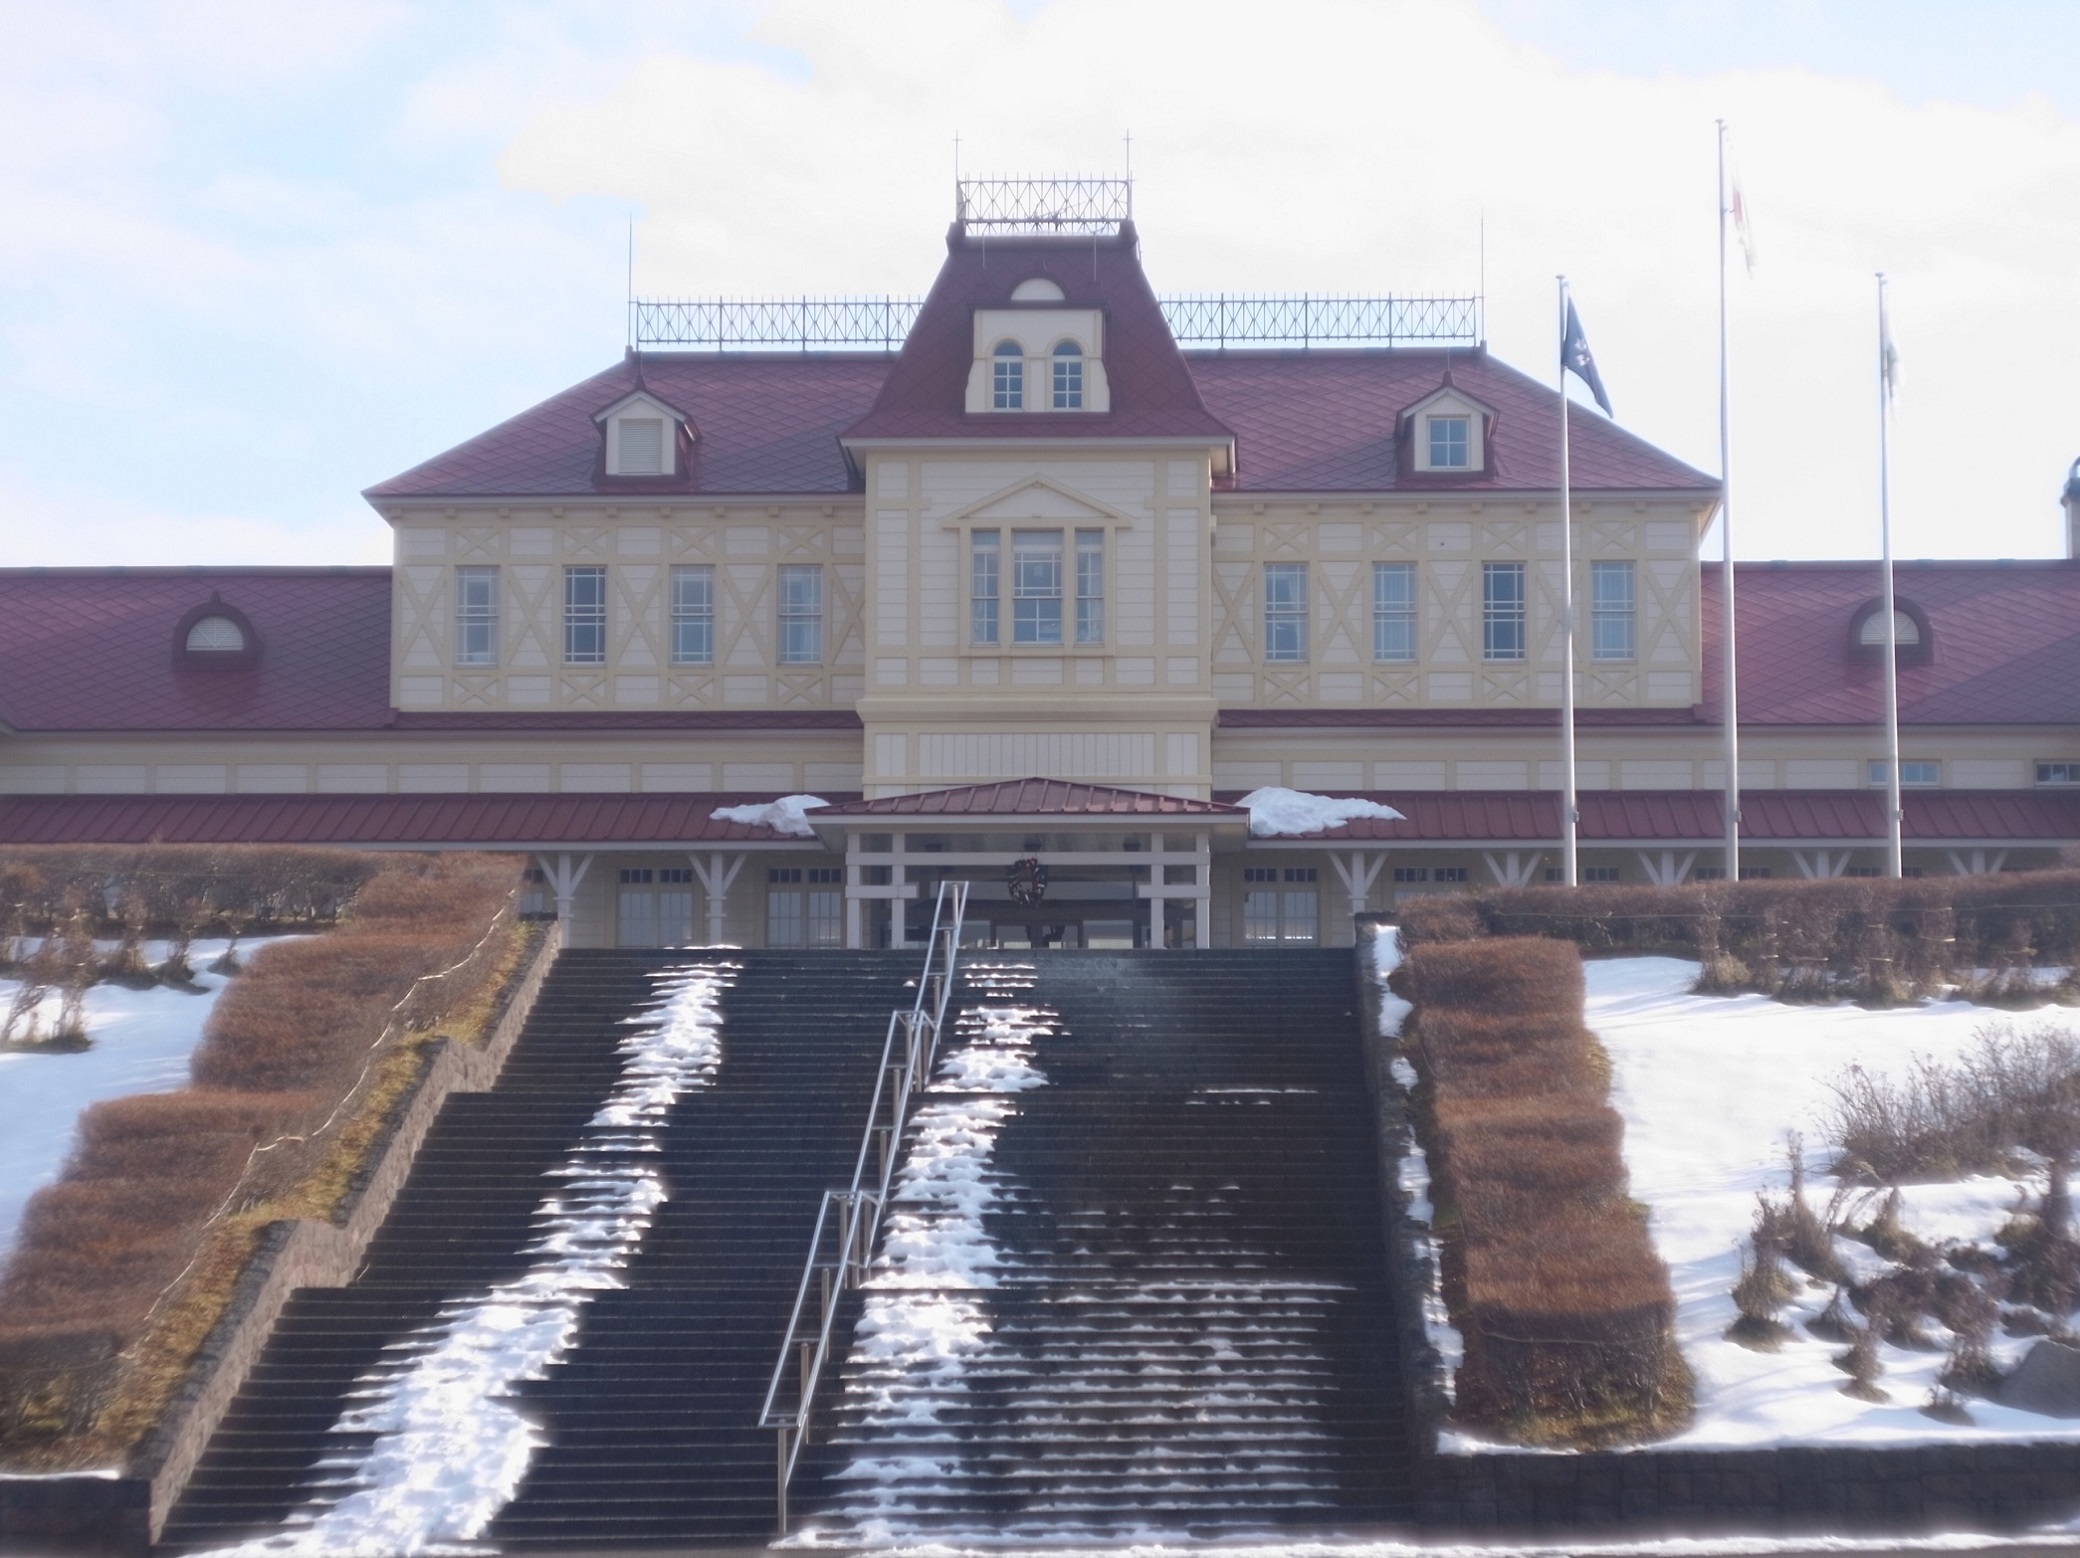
(1565, 1308)
(1867, 938)
(289, 1045)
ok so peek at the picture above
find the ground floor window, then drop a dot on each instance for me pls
(1280, 904)
(655, 907)
(805, 906)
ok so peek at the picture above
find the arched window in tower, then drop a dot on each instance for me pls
(1008, 377)
(1068, 377)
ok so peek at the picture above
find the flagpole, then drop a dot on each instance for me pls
(1727, 655)
(1892, 806)
(1569, 816)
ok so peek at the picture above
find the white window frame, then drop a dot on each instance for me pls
(1066, 373)
(1285, 613)
(2059, 771)
(1504, 622)
(1394, 621)
(985, 588)
(798, 607)
(1613, 611)
(1437, 438)
(693, 614)
(1036, 587)
(584, 621)
(1915, 773)
(1007, 377)
(476, 620)
(1090, 587)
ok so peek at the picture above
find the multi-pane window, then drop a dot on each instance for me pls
(1036, 586)
(805, 907)
(693, 615)
(1912, 771)
(2058, 773)
(801, 614)
(1008, 377)
(1068, 377)
(1502, 611)
(1450, 443)
(1285, 611)
(585, 616)
(660, 918)
(985, 586)
(476, 616)
(1602, 874)
(1280, 904)
(1612, 611)
(1393, 611)
(1090, 586)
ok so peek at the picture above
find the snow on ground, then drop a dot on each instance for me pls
(1709, 1087)
(927, 1311)
(1415, 1166)
(1276, 812)
(141, 1041)
(787, 816)
(450, 1444)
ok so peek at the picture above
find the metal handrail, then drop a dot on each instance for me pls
(842, 1248)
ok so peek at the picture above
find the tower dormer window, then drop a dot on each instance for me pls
(642, 446)
(1008, 377)
(216, 635)
(1068, 376)
(1451, 442)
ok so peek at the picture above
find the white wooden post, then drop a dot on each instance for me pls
(1359, 870)
(1513, 868)
(564, 879)
(1666, 870)
(1819, 864)
(715, 878)
(1202, 878)
(1976, 862)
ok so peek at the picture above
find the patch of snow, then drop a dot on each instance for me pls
(1709, 1087)
(787, 816)
(1386, 957)
(1276, 812)
(141, 1042)
(450, 1442)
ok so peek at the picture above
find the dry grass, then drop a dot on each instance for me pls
(1565, 1307)
(124, 1265)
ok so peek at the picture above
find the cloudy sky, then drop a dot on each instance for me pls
(259, 256)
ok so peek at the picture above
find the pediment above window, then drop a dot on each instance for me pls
(1038, 500)
(644, 440)
(1446, 434)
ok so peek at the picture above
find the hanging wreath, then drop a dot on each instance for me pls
(1027, 880)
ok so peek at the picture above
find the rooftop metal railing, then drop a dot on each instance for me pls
(1218, 320)
(842, 1248)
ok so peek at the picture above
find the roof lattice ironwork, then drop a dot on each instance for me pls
(1039, 206)
(822, 324)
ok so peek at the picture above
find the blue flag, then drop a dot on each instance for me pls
(1577, 359)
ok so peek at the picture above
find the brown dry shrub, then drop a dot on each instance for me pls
(1568, 1315)
(286, 1043)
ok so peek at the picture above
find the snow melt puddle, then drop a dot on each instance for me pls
(927, 1316)
(450, 1442)
(1415, 1165)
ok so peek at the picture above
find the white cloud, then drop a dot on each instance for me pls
(1325, 144)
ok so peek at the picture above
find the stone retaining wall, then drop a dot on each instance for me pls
(1780, 1492)
(121, 1516)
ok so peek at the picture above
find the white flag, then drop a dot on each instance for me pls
(1743, 229)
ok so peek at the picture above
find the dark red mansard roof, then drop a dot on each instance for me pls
(93, 649)
(2005, 644)
(1326, 421)
(1152, 392)
(766, 424)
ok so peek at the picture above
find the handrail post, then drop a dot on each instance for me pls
(780, 1498)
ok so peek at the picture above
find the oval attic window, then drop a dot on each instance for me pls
(216, 636)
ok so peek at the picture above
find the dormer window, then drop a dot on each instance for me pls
(1037, 289)
(643, 439)
(1450, 442)
(1068, 376)
(1008, 377)
(642, 446)
(216, 635)
(1910, 623)
(1446, 433)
